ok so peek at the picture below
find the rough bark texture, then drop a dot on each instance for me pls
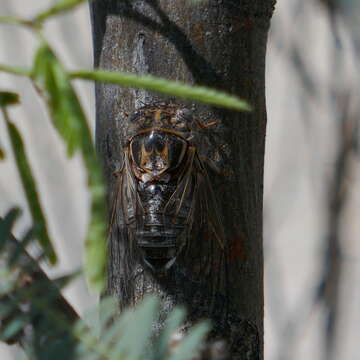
(222, 44)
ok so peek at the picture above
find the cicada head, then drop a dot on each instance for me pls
(156, 154)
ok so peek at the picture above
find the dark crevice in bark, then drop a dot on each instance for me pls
(200, 69)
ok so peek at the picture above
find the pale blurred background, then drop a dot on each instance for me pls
(312, 171)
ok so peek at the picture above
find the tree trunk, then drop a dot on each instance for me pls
(221, 44)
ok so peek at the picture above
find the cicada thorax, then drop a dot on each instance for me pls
(163, 186)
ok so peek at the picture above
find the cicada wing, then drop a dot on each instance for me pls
(125, 208)
(209, 205)
(126, 205)
(132, 209)
(179, 205)
(193, 204)
(210, 235)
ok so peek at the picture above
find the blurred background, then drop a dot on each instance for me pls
(312, 170)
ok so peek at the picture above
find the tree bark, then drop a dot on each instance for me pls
(221, 44)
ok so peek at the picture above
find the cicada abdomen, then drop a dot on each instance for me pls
(163, 196)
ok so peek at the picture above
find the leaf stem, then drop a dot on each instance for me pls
(15, 70)
(58, 8)
(172, 88)
(17, 21)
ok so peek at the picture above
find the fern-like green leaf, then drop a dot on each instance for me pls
(188, 347)
(7, 281)
(2, 153)
(167, 87)
(129, 335)
(70, 121)
(8, 98)
(30, 189)
(139, 328)
(60, 7)
(16, 253)
(33, 312)
(13, 328)
(6, 225)
(64, 106)
(172, 323)
(197, 1)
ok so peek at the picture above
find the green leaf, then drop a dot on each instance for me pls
(13, 327)
(7, 282)
(163, 86)
(114, 334)
(6, 306)
(122, 336)
(70, 121)
(64, 107)
(2, 153)
(30, 189)
(8, 98)
(138, 331)
(173, 322)
(18, 250)
(6, 225)
(127, 336)
(197, 1)
(106, 312)
(188, 347)
(60, 7)
(89, 345)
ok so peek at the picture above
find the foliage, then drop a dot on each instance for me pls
(163, 86)
(29, 186)
(34, 313)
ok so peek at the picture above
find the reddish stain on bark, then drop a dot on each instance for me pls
(237, 247)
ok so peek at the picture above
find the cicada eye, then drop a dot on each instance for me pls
(177, 149)
(157, 151)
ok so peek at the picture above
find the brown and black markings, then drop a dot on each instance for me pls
(163, 199)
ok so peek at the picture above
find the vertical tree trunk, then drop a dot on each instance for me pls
(222, 44)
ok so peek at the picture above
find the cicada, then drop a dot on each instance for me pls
(163, 202)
